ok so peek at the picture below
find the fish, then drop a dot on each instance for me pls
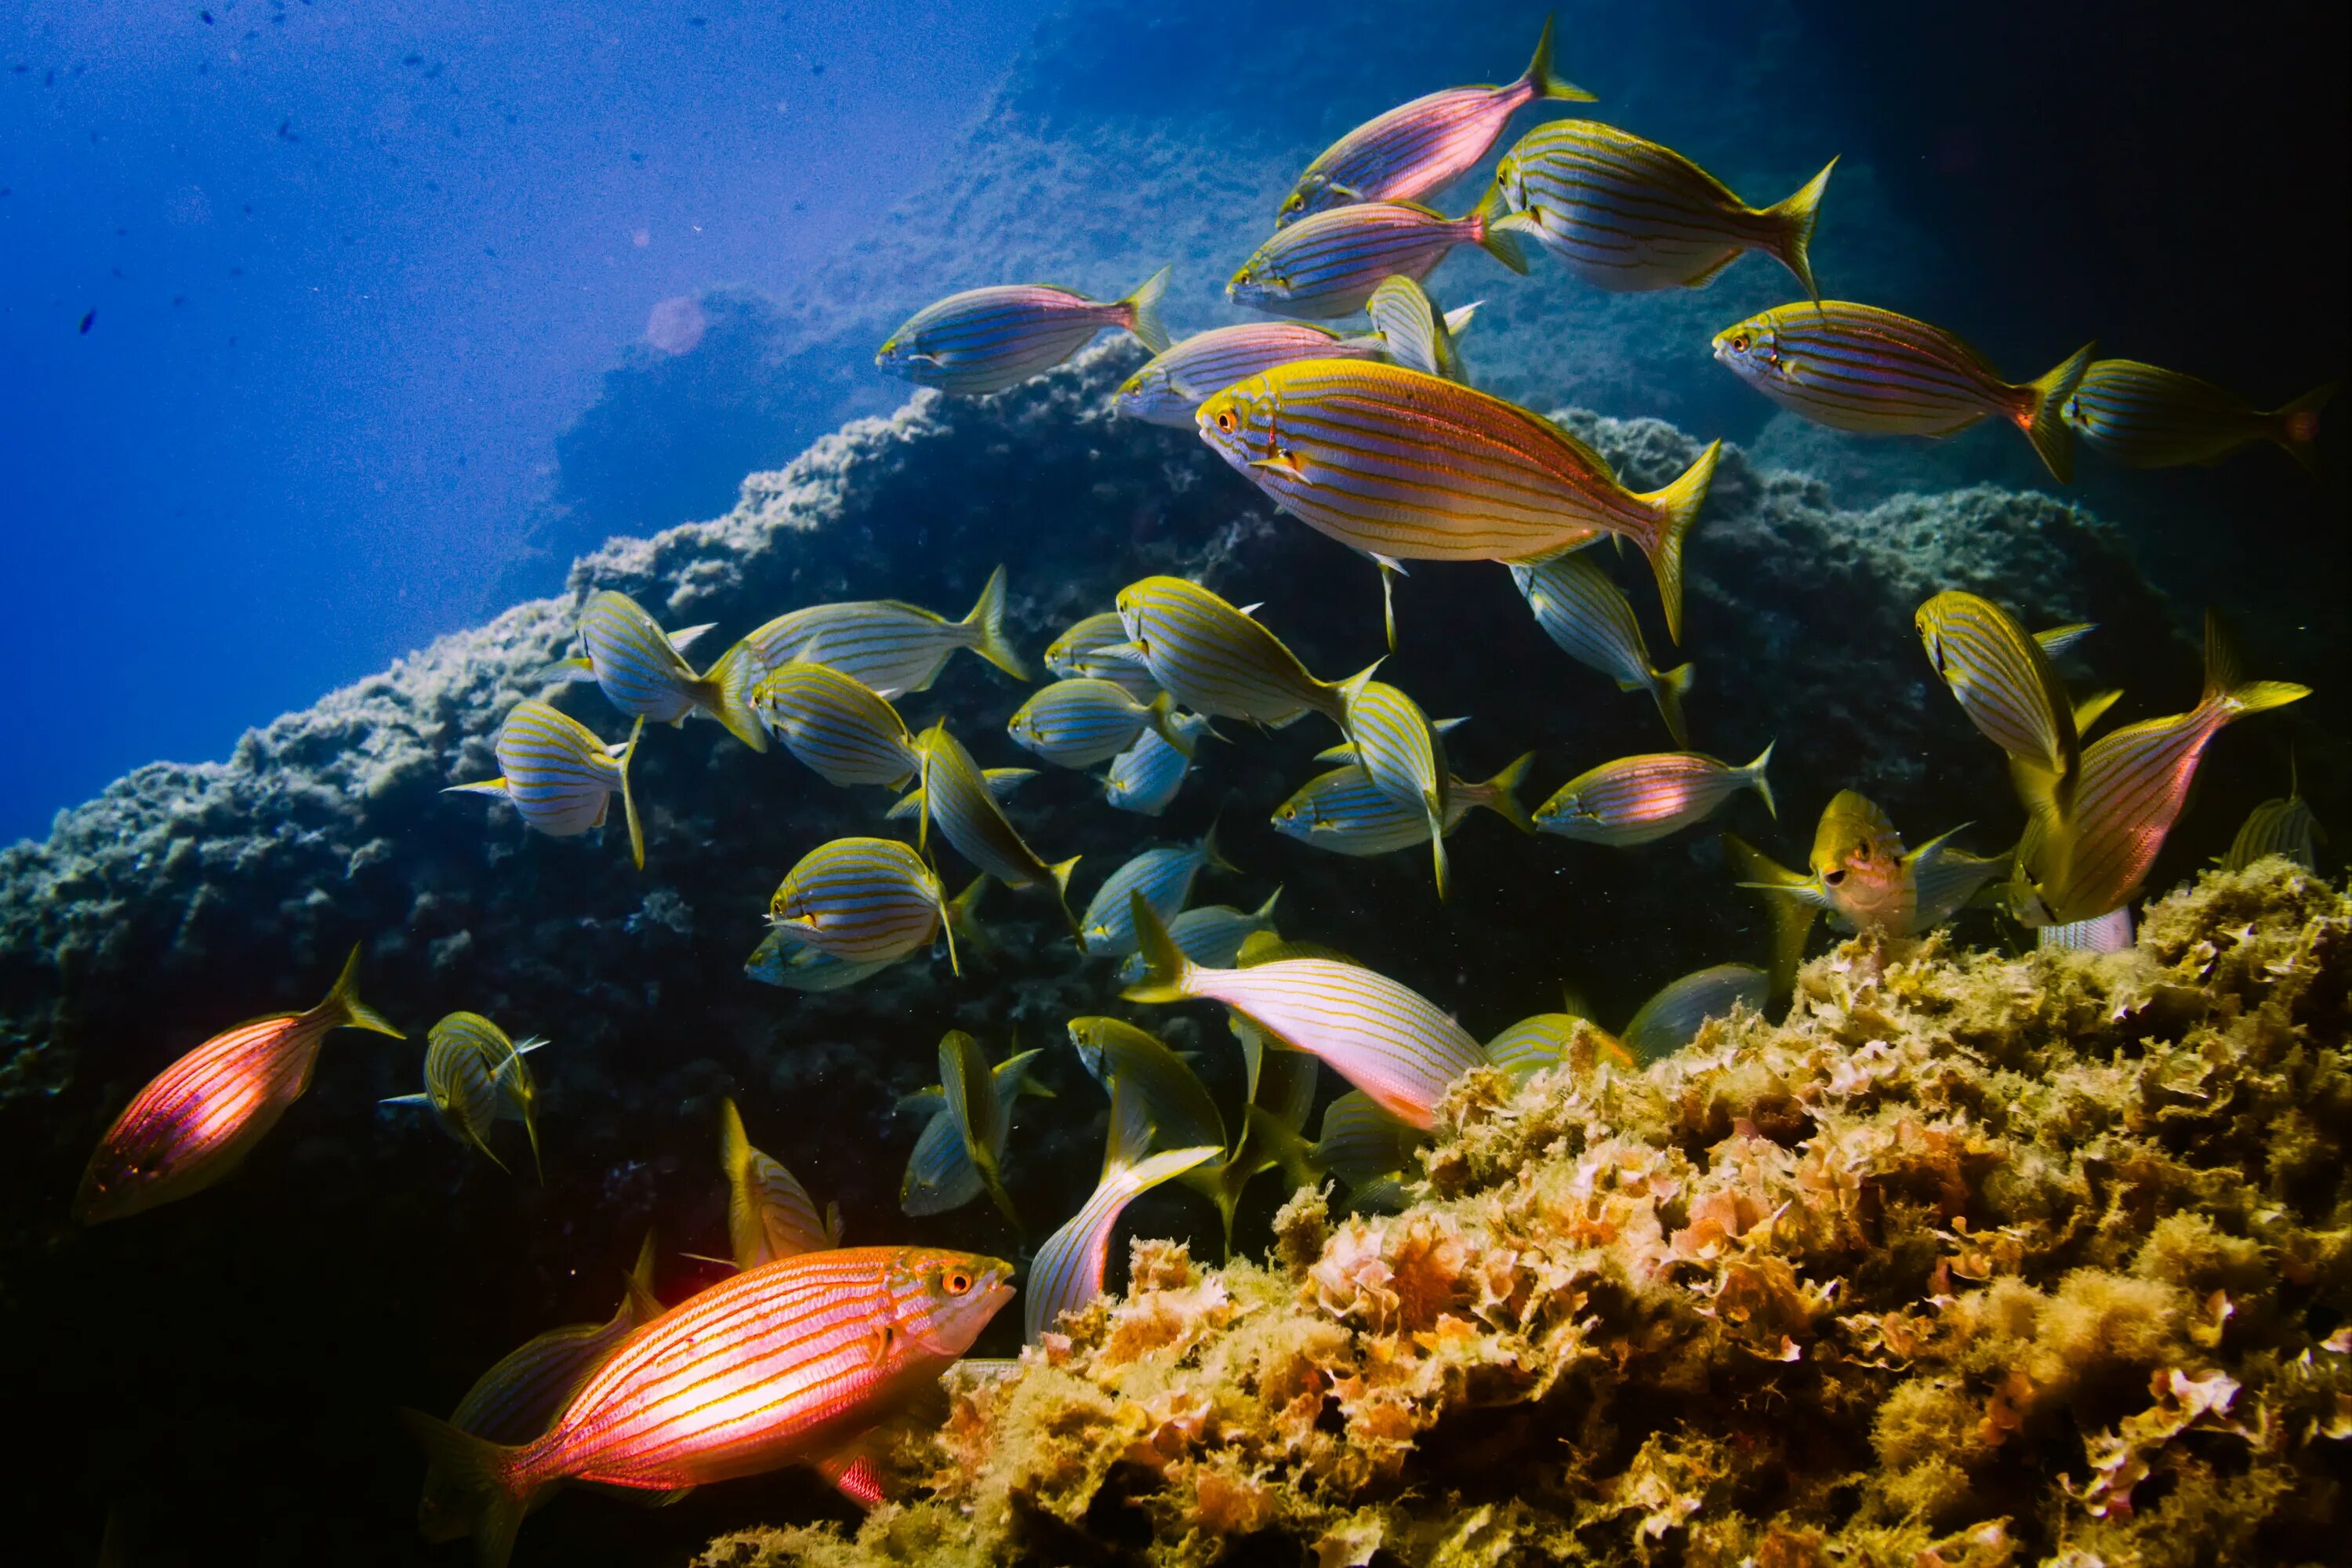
(2284, 826)
(980, 1117)
(892, 646)
(1326, 266)
(1168, 389)
(1415, 331)
(1067, 1271)
(642, 669)
(1590, 621)
(1391, 462)
(957, 801)
(560, 778)
(1162, 875)
(1210, 935)
(781, 1364)
(1628, 215)
(1672, 1018)
(2109, 932)
(1541, 1040)
(838, 727)
(1218, 660)
(1418, 149)
(1857, 367)
(1081, 720)
(2004, 680)
(1146, 776)
(778, 960)
(195, 1122)
(941, 1173)
(1122, 1057)
(1636, 800)
(769, 1214)
(2135, 784)
(1400, 755)
(473, 1073)
(1098, 646)
(518, 1396)
(1344, 812)
(1371, 1151)
(1384, 1038)
(1000, 782)
(2144, 416)
(871, 900)
(986, 340)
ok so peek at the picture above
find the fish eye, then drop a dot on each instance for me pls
(1739, 342)
(956, 1281)
(1225, 419)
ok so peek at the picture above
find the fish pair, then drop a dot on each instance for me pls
(475, 1076)
(960, 1153)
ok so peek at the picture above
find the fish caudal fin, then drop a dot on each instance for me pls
(1760, 784)
(1061, 873)
(2235, 697)
(1500, 794)
(2296, 426)
(1791, 913)
(1677, 507)
(1670, 688)
(629, 801)
(725, 693)
(1143, 312)
(344, 1001)
(2040, 418)
(987, 618)
(1794, 218)
(1437, 846)
(481, 1472)
(1501, 243)
(1165, 965)
(1547, 82)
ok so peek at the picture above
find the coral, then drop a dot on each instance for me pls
(1970, 1259)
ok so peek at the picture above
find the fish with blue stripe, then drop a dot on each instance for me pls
(1344, 812)
(1326, 266)
(474, 1077)
(1168, 390)
(769, 1214)
(1120, 1056)
(2003, 680)
(870, 900)
(642, 669)
(837, 726)
(1589, 619)
(560, 778)
(1146, 777)
(1373, 1152)
(1218, 660)
(1391, 462)
(1212, 935)
(1081, 721)
(1415, 333)
(981, 1117)
(1400, 755)
(1673, 1018)
(2144, 416)
(957, 801)
(986, 340)
(2284, 826)
(1859, 368)
(1636, 800)
(1162, 876)
(1098, 646)
(941, 1175)
(892, 646)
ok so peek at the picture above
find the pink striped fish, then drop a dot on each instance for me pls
(787, 1363)
(202, 1116)
(1332, 264)
(1636, 799)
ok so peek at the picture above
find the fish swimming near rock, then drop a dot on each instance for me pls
(957, 801)
(870, 901)
(785, 1363)
(941, 1174)
(1344, 812)
(1401, 755)
(1628, 215)
(2144, 416)
(1326, 266)
(1117, 1055)
(1418, 149)
(642, 669)
(559, 776)
(1856, 367)
(893, 647)
(769, 1214)
(1674, 1015)
(1391, 462)
(838, 727)
(1373, 1152)
(473, 1073)
(2284, 827)
(1589, 619)
(1210, 935)
(1081, 721)
(1162, 875)
(1218, 660)
(2005, 683)
(195, 1122)
(1636, 800)
(986, 340)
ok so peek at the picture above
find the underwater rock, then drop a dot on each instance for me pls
(1972, 1259)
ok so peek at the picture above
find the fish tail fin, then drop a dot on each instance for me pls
(1499, 243)
(1165, 965)
(1264, 911)
(1794, 219)
(629, 800)
(2296, 427)
(1547, 82)
(725, 693)
(483, 1473)
(987, 618)
(2226, 690)
(734, 1143)
(1213, 855)
(1792, 917)
(1143, 311)
(1677, 507)
(343, 1002)
(1502, 793)
(2040, 415)
(1758, 782)
(1669, 689)
(1061, 872)
(1437, 847)
(963, 914)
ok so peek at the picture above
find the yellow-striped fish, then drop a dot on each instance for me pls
(2144, 416)
(1172, 387)
(957, 799)
(892, 646)
(560, 778)
(1181, 1111)
(1343, 811)
(1391, 462)
(1400, 755)
(985, 340)
(1635, 800)
(1146, 776)
(2003, 675)
(769, 1214)
(941, 1175)
(1098, 646)
(1542, 1040)
(1371, 1151)
(1413, 330)
(1857, 367)
(968, 1085)
(781, 960)
(871, 900)
(1329, 265)
(1588, 619)
(1218, 660)
(837, 726)
(2284, 827)
(1081, 721)
(474, 1075)
(1163, 875)
(642, 669)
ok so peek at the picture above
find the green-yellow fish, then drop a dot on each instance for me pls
(2144, 416)
(1218, 660)
(769, 1214)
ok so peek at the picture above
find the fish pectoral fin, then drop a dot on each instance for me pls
(1525, 223)
(878, 1343)
(1285, 461)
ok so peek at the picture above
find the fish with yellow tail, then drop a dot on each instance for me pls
(1636, 800)
(967, 1084)
(1217, 659)
(986, 340)
(941, 1174)
(1394, 463)
(2004, 682)
(643, 671)
(1169, 388)
(1183, 1112)
(1097, 645)
(957, 801)
(2144, 416)
(769, 1214)
(1163, 875)
(1329, 265)
(474, 1076)
(836, 725)
(1082, 720)
(1384, 1038)
(1401, 755)
(866, 900)
(1418, 149)
(890, 645)
(1413, 330)
(1856, 367)
(790, 1362)
(195, 1122)
(560, 777)
(1344, 812)
(1589, 619)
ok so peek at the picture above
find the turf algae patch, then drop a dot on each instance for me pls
(1972, 1259)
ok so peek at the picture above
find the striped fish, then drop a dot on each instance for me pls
(1671, 1019)
(1124, 1058)
(1588, 619)
(2146, 418)
(198, 1118)
(1540, 1042)
(1635, 800)
(2109, 932)
(1413, 328)
(560, 778)
(473, 1073)
(1371, 1151)
(642, 669)
(778, 960)
(1067, 1272)
(871, 900)
(1400, 755)
(1857, 367)
(774, 1366)
(1162, 876)
(2135, 784)
(941, 1173)
(1146, 777)
(518, 1396)
(1081, 720)
(1327, 266)
(957, 800)
(1387, 1040)
(1168, 390)
(985, 340)
(1418, 149)
(1000, 782)
(980, 1116)
(1628, 215)
(892, 646)
(1344, 812)
(2284, 827)
(1216, 659)
(1098, 646)
(769, 1214)
(839, 728)
(1211, 936)
(2004, 680)
(1391, 462)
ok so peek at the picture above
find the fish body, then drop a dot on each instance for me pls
(1216, 659)
(1627, 214)
(940, 1172)
(780, 1365)
(1344, 812)
(475, 1075)
(958, 803)
(2005, 683)
(1414, 331)
(1391, 462)
(986, 340)
(560, 778)
(2284, 827)
(1542, 1040)
(1327, 265)
(870, 901)
(779, 961)
(1362, 1144)
(981, 1117)
(1857, 367)
(1098, 646)
(838, 727)
(1177, 1105)
(1400, 756)
(1081, 721)
(1168, 390)
(197, 1119)
(1146, 777)
(1210, 935)
(1162, 876)
(1635, 800)
(769, 1214)
(892, 647)
(642, 672)
(1590, 621)
(2144, 416)
(1418, 149)
(1671, 1019)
